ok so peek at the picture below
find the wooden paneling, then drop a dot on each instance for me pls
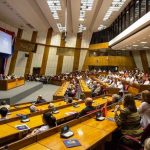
(98, 46)
(131, 54)
(121, 61)
(15, 54)
(144, 61)
(60, 58)
(77, 52)
(46, 52)
(29, 60)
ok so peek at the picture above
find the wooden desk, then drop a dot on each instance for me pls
(90, 133)
(84, 88)
(25, 111)
(61, 91)
(36, 146)
(12, 83)
(36, 121)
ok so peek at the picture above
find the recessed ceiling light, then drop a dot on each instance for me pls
(143, 42)
(145, 47)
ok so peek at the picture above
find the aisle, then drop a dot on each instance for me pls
(47, 92)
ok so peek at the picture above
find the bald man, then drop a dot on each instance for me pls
(88, 108)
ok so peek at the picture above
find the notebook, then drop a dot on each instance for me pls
(22, 127)
(71, 143)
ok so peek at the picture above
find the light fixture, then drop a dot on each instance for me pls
(61, 28)
(146, 47)
(54, 6)
(135, 45)
(101, 27)
(86, 5)
(115, 6)
(81, 28)
(143, 42)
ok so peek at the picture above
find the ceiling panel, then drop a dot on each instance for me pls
(36, 14)
(138, 41)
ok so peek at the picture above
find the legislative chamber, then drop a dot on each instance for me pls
(75, 74)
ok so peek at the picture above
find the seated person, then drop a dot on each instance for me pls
(97, 91)
(144, 109)
(4, 104)
(69, 100)
(49, 122)
(33, 108)
(147, 144)
(50, 106)
(128, 119)
(147, 82)
(88, 108)
(3, 113)
(40, 100)
(115, 98)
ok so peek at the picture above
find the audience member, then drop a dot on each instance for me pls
(129, 119)
(49, 121)
(40, 100)
(3, 113)
(147, 144)
(88, 108)
(33, 108)
(4, 104)
(144, 109)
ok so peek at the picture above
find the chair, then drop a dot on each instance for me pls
(136, 141)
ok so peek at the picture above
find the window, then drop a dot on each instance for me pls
(137, 10)
(143, 7)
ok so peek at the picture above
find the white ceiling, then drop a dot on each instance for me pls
(138, 41)
(36, 15)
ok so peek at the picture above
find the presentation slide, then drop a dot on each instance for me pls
(5, 43)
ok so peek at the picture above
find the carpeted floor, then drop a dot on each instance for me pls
(47, 92)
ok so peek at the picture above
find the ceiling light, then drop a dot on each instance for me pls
(86, 5)
(61, 28)
(101, 27)
(145, 47)
(54, 6)
(135, 45)
(115, 6)
(143, 42)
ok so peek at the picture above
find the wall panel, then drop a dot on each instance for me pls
(53, 58)
(37, 57)
(86, 38)
(68, 60)
(137, 59)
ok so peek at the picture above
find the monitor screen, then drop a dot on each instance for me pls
(5, 43)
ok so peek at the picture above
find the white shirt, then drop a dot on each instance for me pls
(43, 128)
(6, 106)
(146, 83)
(144, 111)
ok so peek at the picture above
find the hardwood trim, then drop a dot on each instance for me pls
(144, 61)
(60, 57)
(77, 52)
(99, 46)
(48, 45)
(46, 52)
(15, 54)
(30, 58)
